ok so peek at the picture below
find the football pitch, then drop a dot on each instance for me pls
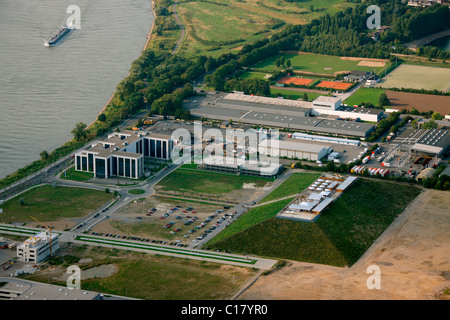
(418, 77)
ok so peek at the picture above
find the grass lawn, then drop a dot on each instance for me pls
(253, 75)
(152, 277)
(296, 183)
(203, 181)
(371, 95)
(294, 94)
(49, 204)
(71, 174)
(315, 63)
(339, 237)
(136, 191)
(253, 217)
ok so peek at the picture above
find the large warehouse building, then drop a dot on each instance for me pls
(294, 150)
(278, 113)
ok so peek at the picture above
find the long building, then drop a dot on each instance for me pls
(278, 113)
(122, 154)
(294, 149)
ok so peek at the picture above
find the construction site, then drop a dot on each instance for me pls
(310, 203)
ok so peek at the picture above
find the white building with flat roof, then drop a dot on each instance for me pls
(326, 103)
(37, 248)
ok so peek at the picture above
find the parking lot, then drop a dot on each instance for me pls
(165, 221)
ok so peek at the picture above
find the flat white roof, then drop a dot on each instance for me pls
(322, 206)
(293, 145)
(344, 185)
(326, 99)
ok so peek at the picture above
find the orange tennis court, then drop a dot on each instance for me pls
(334, 85)
(295, 81)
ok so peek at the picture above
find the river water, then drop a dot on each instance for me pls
(45, 91)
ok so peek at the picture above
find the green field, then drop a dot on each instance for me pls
(371, 95)
(150, 277)
(253, 75)
(314, 63)
(295, 94)
(293, 185)
(215, 27)
(203, 181)
(49, 204)
(339, 237)
(418, 77)
(71, 174)
(253, 217)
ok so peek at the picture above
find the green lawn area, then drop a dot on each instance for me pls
(294, 94)
(152, 277)
(295, 184)
(339, 237)
(371, 95)
(203, 181)
(71, 174)
(315, 63)
(253, 217)
(253, 75)
(49, 204)
(136, 191)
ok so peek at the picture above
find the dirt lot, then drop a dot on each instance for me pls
(421, 102)
(412, 255)
(133, 219)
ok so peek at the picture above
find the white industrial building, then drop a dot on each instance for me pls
(332, 106)
(326, 139)
(37, 248)
(294, 149)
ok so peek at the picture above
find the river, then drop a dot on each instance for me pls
(45, 91)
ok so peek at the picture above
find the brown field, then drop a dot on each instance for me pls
(418, 101)
(412, 255)
(295, 81)
(334, 85)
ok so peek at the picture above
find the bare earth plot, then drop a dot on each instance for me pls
(418, 77)
(412, 255)
(420, 102)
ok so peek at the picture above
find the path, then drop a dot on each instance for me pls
(182, 28)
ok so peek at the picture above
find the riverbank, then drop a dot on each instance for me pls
(413, 45)
(149, 39)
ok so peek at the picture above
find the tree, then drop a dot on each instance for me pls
(305, 97)
(436, 116)
(430, 125)
(288, 63)
(22, 202)
(101, 117)
(44, 155)
(79, 132)
(383, 100)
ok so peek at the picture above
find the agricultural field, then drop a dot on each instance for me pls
(214, 27)
(418, 77)
(418, 101)
(309, 63)
(47, 203)
(145, 276)
(339, 237)
(366, 95)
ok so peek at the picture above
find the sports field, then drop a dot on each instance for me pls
(323, 64)
(295, 81)
(418, 77)
(334, 85)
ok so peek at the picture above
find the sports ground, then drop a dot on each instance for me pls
(418, 77)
